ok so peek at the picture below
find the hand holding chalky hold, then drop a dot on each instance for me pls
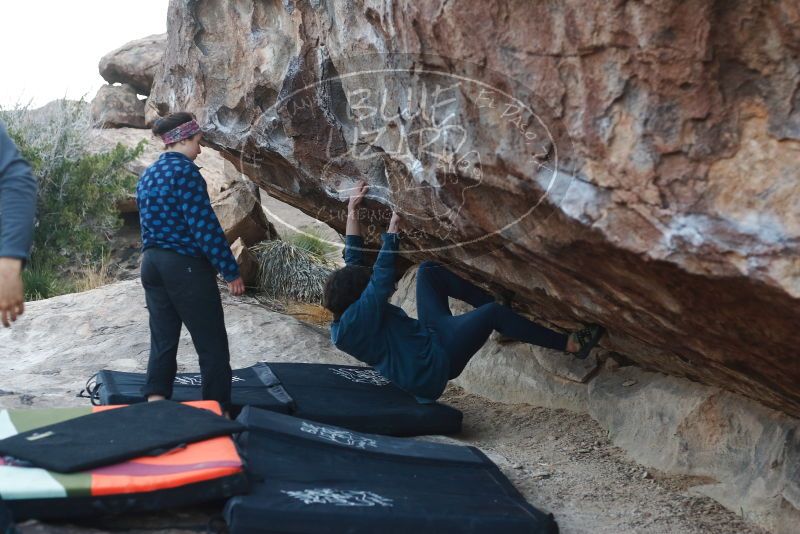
(112, 436)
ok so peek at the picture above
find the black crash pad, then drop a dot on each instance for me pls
(354, 397)
(318, 478)
(254, 386)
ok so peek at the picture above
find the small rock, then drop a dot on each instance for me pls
(647, 474)
(26, 399)
(516, 466)
(628, 383)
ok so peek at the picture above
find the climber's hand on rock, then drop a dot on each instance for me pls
(236, 287)
(357, 196)
(394, 224)
(12, 299)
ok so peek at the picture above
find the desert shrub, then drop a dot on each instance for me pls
(43, 281)
(287, 271)
(78, 191)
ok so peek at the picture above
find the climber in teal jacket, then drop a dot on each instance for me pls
(421, 355)
(381, 335)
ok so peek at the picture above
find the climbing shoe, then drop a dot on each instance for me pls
(587, 338)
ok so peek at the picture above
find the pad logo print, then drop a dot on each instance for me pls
(339, 497)
(362, 376)
(196, 380)
(339, 436)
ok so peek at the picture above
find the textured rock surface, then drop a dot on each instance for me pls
(673, 127)
(63, 341)
(117, 106)
(248, 265)
(150, 114)
(749, 455)
(135, 63)
(241, 216)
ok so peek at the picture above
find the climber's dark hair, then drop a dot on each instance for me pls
(343, 288)
(171, 121)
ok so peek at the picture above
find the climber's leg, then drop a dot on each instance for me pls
(463, 335)
(435, 284)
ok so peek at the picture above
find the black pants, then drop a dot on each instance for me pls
(463, 335)
(181, 289)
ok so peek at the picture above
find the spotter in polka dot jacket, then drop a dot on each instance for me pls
(176, 214)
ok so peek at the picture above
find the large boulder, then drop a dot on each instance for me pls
(135, 63)
(628, 164)
(117, 106)
(242, 217)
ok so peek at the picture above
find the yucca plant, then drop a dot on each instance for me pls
(311, 240)
(287, 271)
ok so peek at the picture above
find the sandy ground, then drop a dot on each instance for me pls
(563, 463)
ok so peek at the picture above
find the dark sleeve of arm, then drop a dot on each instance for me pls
(371, 303)
(204, 225)
(382, 281)
(353, 250)
(17, 200)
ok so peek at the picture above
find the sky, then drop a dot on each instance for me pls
(50, 48)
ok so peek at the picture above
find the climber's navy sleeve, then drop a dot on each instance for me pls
(203, 223)
(367, 312)
(17, 200)
(353, 250)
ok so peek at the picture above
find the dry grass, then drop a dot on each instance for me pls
(309, 313)
(90, 278)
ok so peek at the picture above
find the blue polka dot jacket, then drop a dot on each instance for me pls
(175, 213)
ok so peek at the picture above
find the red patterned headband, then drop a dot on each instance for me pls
(179, 133)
